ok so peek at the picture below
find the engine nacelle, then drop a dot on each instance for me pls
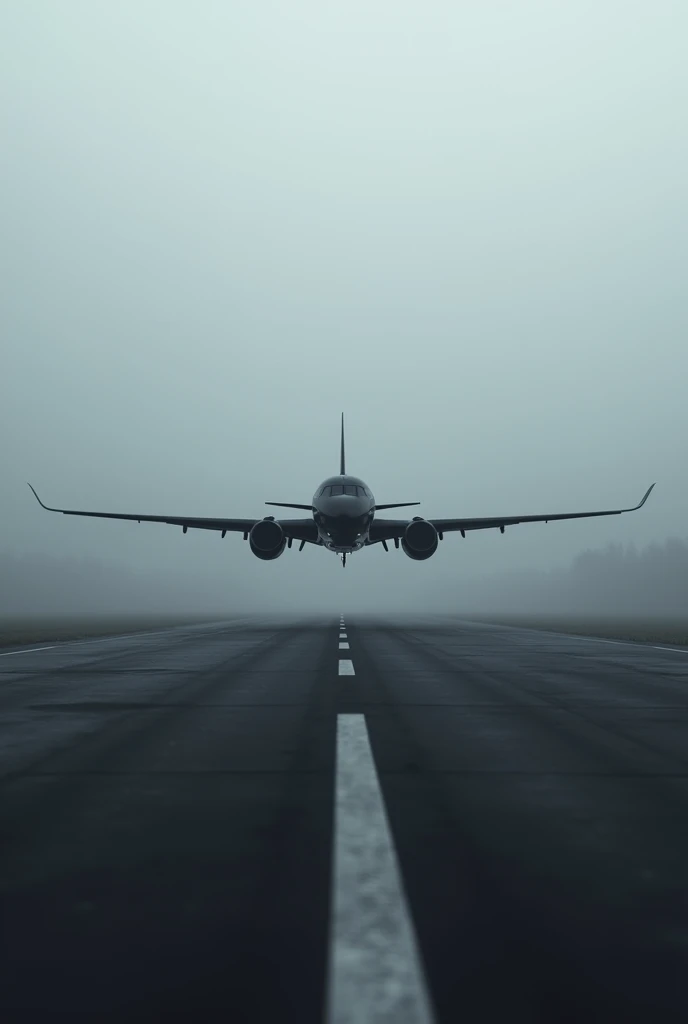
(420, 540)
(267, 539)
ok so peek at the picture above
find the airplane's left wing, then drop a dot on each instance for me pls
(299, 529)
(388, 529)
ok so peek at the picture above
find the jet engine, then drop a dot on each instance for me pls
(420, 540)
(267, 539)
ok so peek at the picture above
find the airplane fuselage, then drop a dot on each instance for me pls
(343, 510)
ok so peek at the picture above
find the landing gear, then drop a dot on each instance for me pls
(344, 560)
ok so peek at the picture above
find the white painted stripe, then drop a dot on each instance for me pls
(343, 646)
(625, 643)
(81, 643)
(346, 668)
(30, 650)
(375, 972)
(100, 640)
(342, 636)
(596, 640)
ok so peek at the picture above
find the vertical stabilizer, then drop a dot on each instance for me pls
(342, 460)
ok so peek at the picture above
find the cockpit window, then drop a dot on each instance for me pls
(330, 490)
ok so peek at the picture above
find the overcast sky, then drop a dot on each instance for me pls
(462, 223)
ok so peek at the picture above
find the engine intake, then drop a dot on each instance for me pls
(420, 540)
(267, 540)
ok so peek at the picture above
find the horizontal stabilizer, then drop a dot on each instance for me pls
(399, 504)
(286, 504)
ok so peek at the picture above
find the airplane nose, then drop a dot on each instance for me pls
(345, 505)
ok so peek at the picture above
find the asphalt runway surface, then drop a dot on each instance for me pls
(326, 822)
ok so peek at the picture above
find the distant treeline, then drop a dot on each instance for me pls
(40, 584)
(615, 580)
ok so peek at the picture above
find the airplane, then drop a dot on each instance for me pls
(343, 519)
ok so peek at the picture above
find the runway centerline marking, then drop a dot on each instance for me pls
(343, 646)
(374, 970)
(346, 668)
(342, 636)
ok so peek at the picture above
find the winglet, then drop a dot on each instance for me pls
(644, 498)
(39, 500)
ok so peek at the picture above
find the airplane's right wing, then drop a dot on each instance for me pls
(298, 529)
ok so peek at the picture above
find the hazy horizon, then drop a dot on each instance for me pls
(462, 225)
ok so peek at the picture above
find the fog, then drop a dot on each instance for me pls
(463, 224)
(618, 581)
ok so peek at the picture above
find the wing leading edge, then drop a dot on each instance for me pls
(388, 529)
(298, 529)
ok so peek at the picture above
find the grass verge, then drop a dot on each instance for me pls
(640, 630)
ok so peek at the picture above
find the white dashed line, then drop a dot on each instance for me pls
(346, 668)
(375, 973)
(342, 636)
(343, 646)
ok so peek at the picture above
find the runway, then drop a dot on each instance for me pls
(326, 821)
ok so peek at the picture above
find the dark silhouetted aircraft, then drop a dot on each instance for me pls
(343, 518)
